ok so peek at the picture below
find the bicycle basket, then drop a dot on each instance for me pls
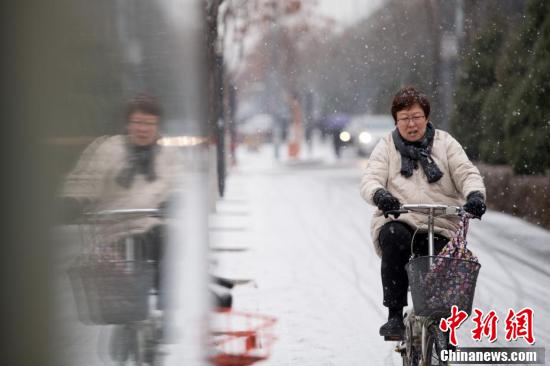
(438, 283)
(240, 338)
(109, 292)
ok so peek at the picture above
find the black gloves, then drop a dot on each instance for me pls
(475, 204)
(386, 202)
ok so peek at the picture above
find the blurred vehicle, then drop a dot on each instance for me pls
(336, 125)
(255, 131)
(364, 131)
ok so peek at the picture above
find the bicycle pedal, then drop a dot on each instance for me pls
(401, 347)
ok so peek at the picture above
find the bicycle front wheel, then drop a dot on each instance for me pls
(437, 341)
(412, 355)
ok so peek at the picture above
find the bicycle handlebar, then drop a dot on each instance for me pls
(434, 210)
(126, 213)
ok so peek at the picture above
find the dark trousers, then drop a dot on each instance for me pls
(153, 242)
(395, 241)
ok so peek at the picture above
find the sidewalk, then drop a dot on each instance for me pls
(309, 268)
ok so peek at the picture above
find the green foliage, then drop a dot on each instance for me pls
(492, 149)
(527, 134)
(478, 76)
(503, 98)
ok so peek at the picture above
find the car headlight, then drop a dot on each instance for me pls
(345, 136)
(365, 137)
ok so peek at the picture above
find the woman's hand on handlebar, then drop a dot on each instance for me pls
(386, 202)
(395, 213)
(475, 205)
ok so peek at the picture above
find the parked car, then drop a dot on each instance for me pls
(366, 130)
(255, 131)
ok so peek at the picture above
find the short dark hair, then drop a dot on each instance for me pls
(406, 97)
(144, 103)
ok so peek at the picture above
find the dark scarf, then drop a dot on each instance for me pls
(419, 151)
(140, 160)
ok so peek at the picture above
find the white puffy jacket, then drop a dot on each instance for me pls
(460, 178)
(94, 179)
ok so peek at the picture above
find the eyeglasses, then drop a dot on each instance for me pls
(415, 119)
(144, 123)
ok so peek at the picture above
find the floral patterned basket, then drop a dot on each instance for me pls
(109, 292)
(439, 282)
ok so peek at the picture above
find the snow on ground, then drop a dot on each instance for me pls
(300, 231)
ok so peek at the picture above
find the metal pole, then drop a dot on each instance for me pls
(185, 273)
(431, 232)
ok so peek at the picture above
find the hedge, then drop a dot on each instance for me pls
(524, 196)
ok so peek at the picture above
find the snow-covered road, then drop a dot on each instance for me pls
(301, 232)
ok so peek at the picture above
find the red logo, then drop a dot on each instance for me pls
(485, 326)
(453, 322)
(520, 325)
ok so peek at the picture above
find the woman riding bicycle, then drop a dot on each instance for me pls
(130, 171)
(416, 163)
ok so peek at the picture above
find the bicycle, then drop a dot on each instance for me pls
(113, 285)
(430, 282)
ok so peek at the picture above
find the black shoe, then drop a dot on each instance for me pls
(394, 327)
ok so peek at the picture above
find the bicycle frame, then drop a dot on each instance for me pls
(432, 211)
(136, 339)
(419, 324)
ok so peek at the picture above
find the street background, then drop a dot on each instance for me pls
(276, 104)
(300, 232)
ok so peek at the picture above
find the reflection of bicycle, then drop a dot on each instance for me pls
(114, 284)
(436, 283)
